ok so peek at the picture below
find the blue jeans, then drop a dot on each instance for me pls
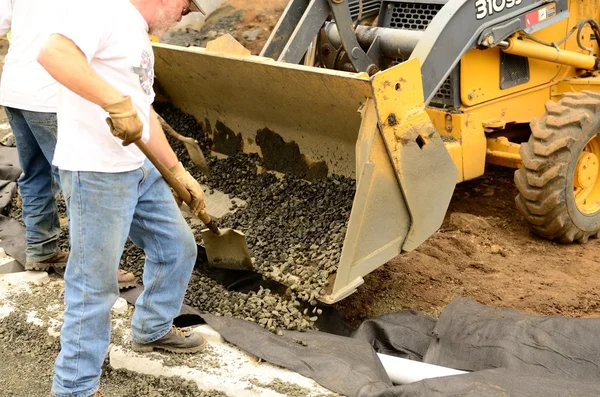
(104, 208)
(35, 134)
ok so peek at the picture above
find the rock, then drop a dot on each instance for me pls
(468, 223)
(9, 265)
(209, 334)
(496, 249)
(489, 192)
(28, 277)
(120, 306)
(251, 35)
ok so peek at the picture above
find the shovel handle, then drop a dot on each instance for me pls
(176, 185)
(169, 130)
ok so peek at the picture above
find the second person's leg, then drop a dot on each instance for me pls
(37, 188)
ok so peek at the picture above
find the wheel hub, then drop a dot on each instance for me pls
(586, 182)
(587, 170)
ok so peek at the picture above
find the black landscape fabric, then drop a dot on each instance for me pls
(344, 365)
(471, 336)
(511, 353)
(404, 334)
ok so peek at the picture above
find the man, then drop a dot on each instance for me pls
(28, 94)
(101, 55)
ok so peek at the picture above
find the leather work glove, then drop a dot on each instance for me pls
(124, 121)
(197, 206)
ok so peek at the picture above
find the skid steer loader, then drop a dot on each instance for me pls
(409, 106)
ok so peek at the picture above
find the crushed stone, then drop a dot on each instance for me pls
(217, 24)
(295, 228)
(289, 389)
(126, 383)
(28, 353)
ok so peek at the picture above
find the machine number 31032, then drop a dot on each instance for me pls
(489, 7)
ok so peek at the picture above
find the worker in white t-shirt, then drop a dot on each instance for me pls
(28, 94)
(101, 55)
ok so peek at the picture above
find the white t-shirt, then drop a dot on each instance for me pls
(25, 84)
(113, 35)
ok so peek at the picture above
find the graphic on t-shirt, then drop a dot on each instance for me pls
(145, 72)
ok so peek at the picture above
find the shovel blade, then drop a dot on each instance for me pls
(197, 157)
(229, 250)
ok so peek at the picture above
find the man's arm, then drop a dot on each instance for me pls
(67, 64)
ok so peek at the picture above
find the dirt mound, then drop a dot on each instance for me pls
(485, 251)
(249, 22)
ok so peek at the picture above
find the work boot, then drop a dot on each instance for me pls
(58, 261)
(176, 341)
(98, 394)
(126, 280)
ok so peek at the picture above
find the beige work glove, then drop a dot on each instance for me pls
(124, 121)
(197, 206)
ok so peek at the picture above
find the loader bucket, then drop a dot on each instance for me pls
(313, 122)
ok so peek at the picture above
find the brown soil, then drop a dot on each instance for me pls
(258, 14)
(486, 252)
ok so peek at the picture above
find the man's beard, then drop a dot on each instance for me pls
(161, 24)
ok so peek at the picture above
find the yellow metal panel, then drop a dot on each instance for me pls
(576, 85)
(519, 107)
(455, 150)
(578, 11)
(500, 151)
(473, 144)
(425, 170)
(480, 70)
(466, 132)
(379, 221)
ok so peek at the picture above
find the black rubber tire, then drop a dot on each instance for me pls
(545, 181)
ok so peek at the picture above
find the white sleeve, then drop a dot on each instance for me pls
(87, 27)
(6, 10)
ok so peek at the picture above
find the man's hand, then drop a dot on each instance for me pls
(124, 121)
(197, 206)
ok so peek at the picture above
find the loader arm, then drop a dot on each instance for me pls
(458, 27)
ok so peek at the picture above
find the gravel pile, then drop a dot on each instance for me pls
(270, 310)
(295, 229)
(216, 26)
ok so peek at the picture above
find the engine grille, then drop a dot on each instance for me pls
(416, 16)
(370, 7)
(410, 16)
(514, 70)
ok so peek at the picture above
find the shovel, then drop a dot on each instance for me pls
(191, 146)
(225, 248)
